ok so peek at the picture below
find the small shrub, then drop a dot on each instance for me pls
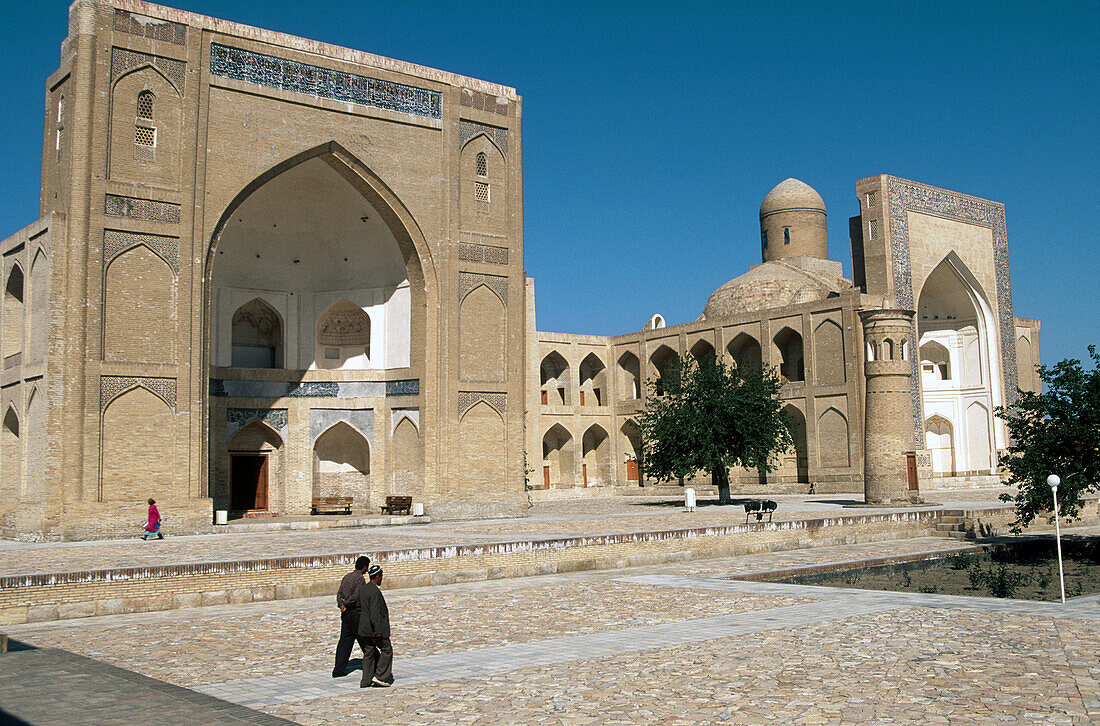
(928, 589)
(1043, 578)
(959, 562)
(850, 577)
(1005, 582)
(906, 580)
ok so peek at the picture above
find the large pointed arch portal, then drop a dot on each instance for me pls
(318, 233)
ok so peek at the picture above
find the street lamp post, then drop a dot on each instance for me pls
(1053, 480)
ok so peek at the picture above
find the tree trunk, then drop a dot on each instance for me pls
(719, 476)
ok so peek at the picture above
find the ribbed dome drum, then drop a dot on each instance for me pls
(792, 222)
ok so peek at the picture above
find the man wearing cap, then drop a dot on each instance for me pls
(347, 599)
(374, 633)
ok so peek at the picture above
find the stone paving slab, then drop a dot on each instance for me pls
(45, 687)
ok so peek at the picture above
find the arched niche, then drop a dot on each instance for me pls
(483, 196)
(703, 352)
(138, 441)
(630, 373)
(407, 459)
(935, 363)
(939, 436)
(257, 336)
(314, 229)
(788, 349)
(343, 337)
(481, 434)
(12, 312)
(1025, 365)
(596, 457)
(554, 379)
(255, 468)
(794, 464)
(593, 381)
(833, 444)
(632, 448)
(482, 323)
(745, 353)
(954, 313)
(11, 455)
(663, 368)
(829, 360)
(38, 315)
(341, 464)
(139, 301)
(145, 147)
(557, 457)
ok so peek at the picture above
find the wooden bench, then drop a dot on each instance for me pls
(760, 507)
(331, 505)
(397, 505)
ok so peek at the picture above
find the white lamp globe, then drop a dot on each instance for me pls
(1054, 480)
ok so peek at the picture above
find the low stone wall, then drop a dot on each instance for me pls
(31, 598)
(997, 521)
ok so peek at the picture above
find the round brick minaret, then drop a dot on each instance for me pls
(888, 428)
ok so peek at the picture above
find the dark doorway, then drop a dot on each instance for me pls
(247, 482)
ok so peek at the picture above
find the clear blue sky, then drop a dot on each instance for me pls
(652, 131)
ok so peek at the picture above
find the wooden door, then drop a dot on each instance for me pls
(546, 477)
(582, 398)
(911, 469)
(632, 471)
(247, 482)
(261, 485)
(584, 473)
(544, 398)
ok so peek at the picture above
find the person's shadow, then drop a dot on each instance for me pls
(355, 664)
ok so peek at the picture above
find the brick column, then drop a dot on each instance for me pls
(888, 433)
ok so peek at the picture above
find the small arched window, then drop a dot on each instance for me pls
(482, 164)
(145, 105)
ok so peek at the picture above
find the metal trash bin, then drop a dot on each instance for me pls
(689, 499)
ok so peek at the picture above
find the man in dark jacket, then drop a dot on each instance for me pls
(374, 633)
(347, 599)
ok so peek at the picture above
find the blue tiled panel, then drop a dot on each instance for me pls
(409, 387)
(288, 75)
(238, 418)
(905, 196)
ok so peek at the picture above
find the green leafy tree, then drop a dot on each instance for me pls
(711, 417)
(1054, 432)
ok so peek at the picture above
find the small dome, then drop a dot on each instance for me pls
(770, 285)
(791, 194)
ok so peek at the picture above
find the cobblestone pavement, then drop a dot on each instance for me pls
(548, 520)
(672, 644)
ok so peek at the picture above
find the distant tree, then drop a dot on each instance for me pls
(1054, 432)
(708, 416)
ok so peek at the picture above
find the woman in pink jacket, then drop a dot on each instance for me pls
(152, 524)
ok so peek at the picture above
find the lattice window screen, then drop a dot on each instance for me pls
(482, 164)
(145, 105)
(481, 191)
(145, 136)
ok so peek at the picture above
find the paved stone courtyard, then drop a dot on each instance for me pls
(670, 644)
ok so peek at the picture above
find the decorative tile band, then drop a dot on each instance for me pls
(467, 281)
(239, 417)
(469, 129)
(146, 209)
(116, 242)
(906, 196)
(134, 24)
(467, 400)
(288, 75)
(409, 387)
(313, 389)
(111, 387)
(124, 60)
(472, 252)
